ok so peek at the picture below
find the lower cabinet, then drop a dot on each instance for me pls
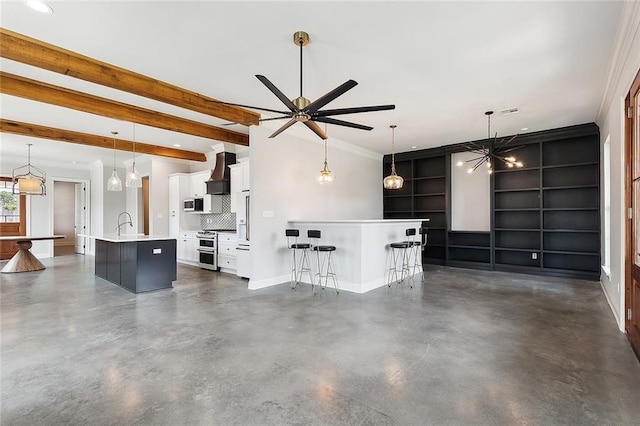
(137, 266)
(227, 257)
(187, 248)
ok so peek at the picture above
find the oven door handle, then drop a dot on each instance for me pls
(206, 251)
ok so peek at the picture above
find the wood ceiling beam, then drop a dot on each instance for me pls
(44, 132)
(43, 92)
(30, 51)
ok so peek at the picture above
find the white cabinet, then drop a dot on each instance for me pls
(240, 179)
(212, 204)
(236, 184)
(227, 243)
(187, 247)
(179, 189)
(244, 165)
(198, 183)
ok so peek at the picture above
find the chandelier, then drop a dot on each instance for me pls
(492, 152)
(28, 179)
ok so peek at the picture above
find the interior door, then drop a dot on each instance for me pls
(633, 228)
(80, 225)
(13, 217)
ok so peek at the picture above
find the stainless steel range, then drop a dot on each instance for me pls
(208, 250)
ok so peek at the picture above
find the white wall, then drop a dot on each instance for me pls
(40, 209)
(470, 195)
(283, 188)
(625, 64)
(64, 212)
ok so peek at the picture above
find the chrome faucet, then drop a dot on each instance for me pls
(130, 222)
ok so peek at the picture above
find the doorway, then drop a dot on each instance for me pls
(632, 189)
(70, 216)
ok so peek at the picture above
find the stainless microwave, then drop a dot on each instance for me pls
(193, 205)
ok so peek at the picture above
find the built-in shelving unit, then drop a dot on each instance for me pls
(423, 196)
(545, 217)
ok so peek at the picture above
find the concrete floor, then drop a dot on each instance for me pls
(469, 347)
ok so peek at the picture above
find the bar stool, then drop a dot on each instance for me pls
(418, 248)
(401, 257)
(325, 269)
(298, 268)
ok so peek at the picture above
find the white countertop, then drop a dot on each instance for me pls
(383, 221)
(124, 238)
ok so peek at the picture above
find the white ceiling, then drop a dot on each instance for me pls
(443, 64)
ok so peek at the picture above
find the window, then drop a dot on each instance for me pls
(9, 202)
(607, 204)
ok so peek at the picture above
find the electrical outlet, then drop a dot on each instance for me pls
(534, 256)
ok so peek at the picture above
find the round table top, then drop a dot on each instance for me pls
(31, 237)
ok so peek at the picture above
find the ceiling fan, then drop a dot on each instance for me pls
(301, 110)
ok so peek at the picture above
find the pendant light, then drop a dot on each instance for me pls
(114, 183)
(393, 181)
(133, 178)
(30, 183)
(491, 152)
(325, 177)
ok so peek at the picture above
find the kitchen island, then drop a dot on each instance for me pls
(138, 263)
(362, 257)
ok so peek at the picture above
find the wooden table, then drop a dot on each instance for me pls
(24, 260)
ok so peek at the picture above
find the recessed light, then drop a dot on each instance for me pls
(413, 147)
(524, 128)
(39, 6)
(177, 145)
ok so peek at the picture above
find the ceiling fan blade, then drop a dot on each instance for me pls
(277, 92)
(250, 106)
(341, 123)
(262, 119)
(283, 128)
(325, 99)
(354, 110)
(316, 129)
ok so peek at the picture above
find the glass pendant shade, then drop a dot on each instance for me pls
(325, 177)
(114, 183)
(30, 183)
(133, 179)
(393, 181)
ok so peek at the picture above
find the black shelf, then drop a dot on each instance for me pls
(549, 209)
(518, 189)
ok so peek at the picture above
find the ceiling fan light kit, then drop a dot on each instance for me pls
(302, 110)
(491, 152)
(326, 177)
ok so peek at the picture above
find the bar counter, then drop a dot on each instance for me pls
(362, 256)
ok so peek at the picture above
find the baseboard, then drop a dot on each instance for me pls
(613, 311)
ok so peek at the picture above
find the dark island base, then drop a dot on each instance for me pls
(138, 266)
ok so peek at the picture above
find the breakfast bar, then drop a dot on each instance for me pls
(362, 258)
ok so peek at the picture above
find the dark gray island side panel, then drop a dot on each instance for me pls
(137, 266)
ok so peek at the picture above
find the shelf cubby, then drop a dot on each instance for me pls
(517, 180)
(517, 219)
(587, 242)
(571, 176)
(517, 257)
(525, 240)
(529, 199)
(579, 220)
(585, 197)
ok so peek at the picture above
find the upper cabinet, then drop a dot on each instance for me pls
(240, 179)
(198, 183)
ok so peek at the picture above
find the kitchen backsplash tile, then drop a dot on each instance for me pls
(224, 220)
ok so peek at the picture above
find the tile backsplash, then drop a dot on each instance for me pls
(224, 220)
